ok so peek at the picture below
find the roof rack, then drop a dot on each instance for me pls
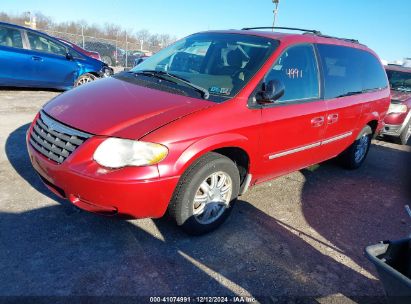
(315, 32)
(345, 39)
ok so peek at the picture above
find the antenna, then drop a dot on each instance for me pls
(276, 2)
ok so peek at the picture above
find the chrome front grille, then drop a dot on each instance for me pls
(55, 140)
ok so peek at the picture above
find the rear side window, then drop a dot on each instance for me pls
(297, 70)
(10, 37)
(349, 71)
(43, 44)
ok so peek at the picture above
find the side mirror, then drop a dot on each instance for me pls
(69, 56)
(271, 91)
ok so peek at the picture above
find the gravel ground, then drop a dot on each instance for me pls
(299, 235)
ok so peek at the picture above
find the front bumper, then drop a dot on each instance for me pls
(391, 130)
(133, 192)
(395, 123)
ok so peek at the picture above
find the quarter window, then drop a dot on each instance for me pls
(43, 44)
(297, 70)
(10, 37)
(374, 76)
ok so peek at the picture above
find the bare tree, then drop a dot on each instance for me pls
(72, 30)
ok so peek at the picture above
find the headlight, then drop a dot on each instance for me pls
(117, 153)
(397, 108)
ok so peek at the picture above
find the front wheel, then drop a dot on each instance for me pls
(205, 194)
(354, 156)
(85, 78)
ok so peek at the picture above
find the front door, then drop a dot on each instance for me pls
(293, 126)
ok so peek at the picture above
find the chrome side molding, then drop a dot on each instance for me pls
(310, 146)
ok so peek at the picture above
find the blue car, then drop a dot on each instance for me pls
(29, 58)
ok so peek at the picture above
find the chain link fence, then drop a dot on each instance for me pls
(119, 53)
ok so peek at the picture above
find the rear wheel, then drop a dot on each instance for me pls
(205, 194)
(85, 78)
(405, 134)
(354, 156)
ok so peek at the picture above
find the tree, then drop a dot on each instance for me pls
(72, 30)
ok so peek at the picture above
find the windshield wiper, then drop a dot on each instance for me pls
(204, 92)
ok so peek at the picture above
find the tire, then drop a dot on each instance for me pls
(85, 78)
(405, 134)
(354, 156)
(197, 210)
(107, 60)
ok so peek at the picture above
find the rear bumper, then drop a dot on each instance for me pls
(106, 194)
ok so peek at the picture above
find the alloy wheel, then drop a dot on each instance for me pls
(212, 197)
(362, 148)
(84, 80)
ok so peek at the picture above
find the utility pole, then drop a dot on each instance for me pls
(126, 51)
(82, 34)
(276, 2)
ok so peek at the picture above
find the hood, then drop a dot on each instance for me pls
(117, 108)
(400, 96)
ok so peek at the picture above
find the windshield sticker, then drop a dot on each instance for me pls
(220, 91)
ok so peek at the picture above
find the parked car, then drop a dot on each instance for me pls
(30, 58)
(195, 125)
(398, 120)
(110, 54)
(133, 57)
(140, 59)
(91, 54)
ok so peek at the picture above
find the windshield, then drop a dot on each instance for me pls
(222, 64)
(400, 81)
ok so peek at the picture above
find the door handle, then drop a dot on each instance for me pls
(317, 121)
(36, 58)
(332, 118)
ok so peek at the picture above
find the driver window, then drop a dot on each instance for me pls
(297, 69)
(42, 44)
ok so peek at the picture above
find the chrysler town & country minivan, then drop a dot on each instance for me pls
(194, 126)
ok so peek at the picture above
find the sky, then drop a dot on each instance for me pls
(383, 25)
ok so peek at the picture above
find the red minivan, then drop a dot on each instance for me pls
(194, 126)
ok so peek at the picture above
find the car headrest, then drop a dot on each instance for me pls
(235, 58)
